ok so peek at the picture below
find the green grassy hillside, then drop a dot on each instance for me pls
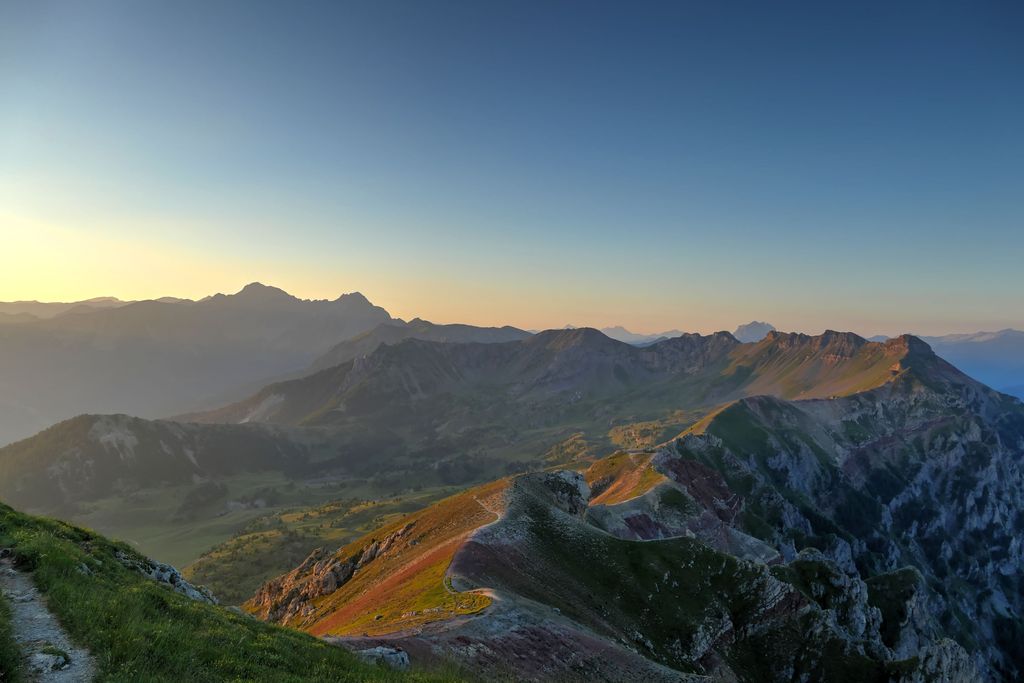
(139, 630)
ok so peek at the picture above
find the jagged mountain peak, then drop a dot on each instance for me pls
(910, 344)
(354, 298)
(825, 338)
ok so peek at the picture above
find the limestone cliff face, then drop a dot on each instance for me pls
(924, 473)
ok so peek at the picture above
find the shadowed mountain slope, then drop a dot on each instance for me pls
(396, 331)
(567, 368)
(94, 456)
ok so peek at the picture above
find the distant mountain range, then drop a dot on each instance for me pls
(622, 334)
(437, 412)
(995, 358)
(171, 356)
(159, 358)
(564, 370)
(37, 310)
(396, 331)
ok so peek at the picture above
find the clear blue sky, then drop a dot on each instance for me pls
(855, 165)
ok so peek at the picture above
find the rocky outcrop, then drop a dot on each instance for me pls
(391, 657)
(569, 491)
(943, 662)
(165, 574)
(283, 599)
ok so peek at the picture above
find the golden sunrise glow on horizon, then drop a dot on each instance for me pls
(513, 186)
(47, 263)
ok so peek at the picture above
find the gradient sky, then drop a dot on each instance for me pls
(853, 165)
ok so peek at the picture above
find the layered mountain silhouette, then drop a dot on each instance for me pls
(395, 331)
(622, 334)
(159, 358)
(995, 358)
(568, 370)
(440, 412)
(24, 311)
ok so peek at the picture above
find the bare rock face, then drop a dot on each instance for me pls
(570, 490)
(943, 662)
(391, 657)
(287, 597)
(167, 575)
(843, 597)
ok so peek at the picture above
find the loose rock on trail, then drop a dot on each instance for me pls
(50, 656)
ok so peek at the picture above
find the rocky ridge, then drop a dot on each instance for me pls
(872, 534)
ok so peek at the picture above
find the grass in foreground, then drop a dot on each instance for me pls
(141, 631)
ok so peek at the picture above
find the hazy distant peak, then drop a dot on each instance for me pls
(753, 331)
(103, 300)
(620, 333)
(574, 337)
(354, 297)
(259, 291)
(979, 337)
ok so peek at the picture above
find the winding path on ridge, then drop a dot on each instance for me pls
(37, 629)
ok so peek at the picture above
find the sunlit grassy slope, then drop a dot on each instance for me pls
(405, 587)
(408, 589)
(276, 542)
(141, 631)
(621, 476)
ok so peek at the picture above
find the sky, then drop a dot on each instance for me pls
(688, 165)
